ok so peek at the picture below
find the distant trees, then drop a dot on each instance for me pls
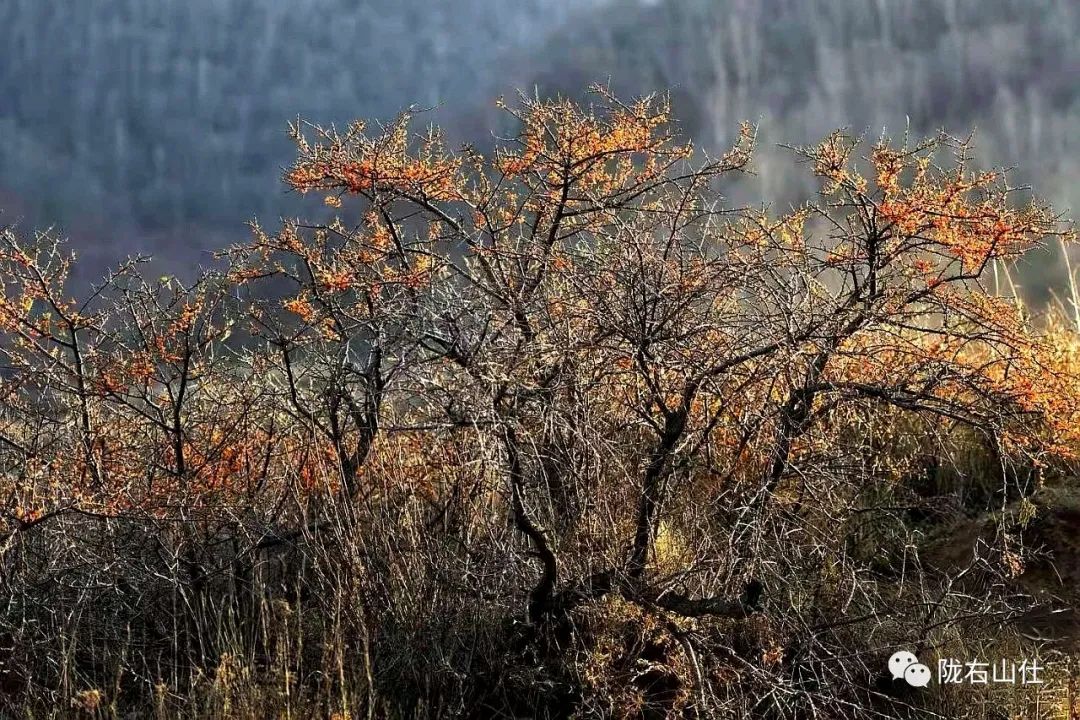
(560, 383)
(178, 95)
(168, 117)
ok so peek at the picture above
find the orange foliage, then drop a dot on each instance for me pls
(587, 251)
(359, 165)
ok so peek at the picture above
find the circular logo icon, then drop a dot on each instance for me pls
(917, 675)
(899, 662)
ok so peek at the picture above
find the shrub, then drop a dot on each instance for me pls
(414, 459)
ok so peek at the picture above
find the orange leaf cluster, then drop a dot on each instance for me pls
(360, 164)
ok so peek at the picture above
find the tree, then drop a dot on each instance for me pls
(681, 408)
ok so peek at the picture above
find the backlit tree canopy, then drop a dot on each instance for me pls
(563, 377)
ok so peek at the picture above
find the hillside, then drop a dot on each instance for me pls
(168, 118)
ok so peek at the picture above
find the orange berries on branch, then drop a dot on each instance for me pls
(968, 215)
(359, 164)
(588, 257)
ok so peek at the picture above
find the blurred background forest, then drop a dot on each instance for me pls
(160, 127)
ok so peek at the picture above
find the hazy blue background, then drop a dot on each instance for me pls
(158, 125)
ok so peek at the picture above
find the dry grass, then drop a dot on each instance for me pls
(549, 434)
